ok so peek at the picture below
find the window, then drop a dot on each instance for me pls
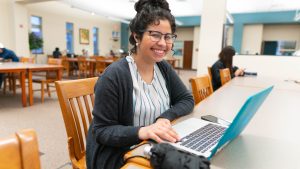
(36, 28)
(279, 48)
(95, 41)
(70, 38)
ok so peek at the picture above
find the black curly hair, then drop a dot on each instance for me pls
(149, 12)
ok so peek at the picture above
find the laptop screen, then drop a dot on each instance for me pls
(242, 118)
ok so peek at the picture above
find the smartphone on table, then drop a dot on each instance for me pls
(215, 119)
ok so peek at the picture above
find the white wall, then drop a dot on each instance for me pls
(196, 47)
(212, 20)
(21, 30)
(271, 66)
(7, 34)
(252, 39)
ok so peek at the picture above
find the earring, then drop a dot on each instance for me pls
(136, 44)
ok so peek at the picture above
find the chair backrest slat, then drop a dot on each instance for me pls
(88, 110)
(82, 114)
(77, 127)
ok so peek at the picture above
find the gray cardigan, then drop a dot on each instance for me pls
(112, 132)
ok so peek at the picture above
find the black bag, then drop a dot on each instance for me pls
(165, 156)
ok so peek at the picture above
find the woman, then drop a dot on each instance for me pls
(137, 97)
(225, 61)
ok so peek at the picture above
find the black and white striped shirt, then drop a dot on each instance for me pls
(149, 100)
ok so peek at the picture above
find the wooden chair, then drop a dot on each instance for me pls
(20, 151)
(76, 99)
(27, 59)
(9, 80)
(83, 66)
(201, 87)
(100, 65)
(67, 66)
(209, 73)
(225, 76)
(51, 77)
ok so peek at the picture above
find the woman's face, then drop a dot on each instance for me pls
(156, 42)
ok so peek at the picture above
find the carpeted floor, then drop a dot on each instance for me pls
(47, 120)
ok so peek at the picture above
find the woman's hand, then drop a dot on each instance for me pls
(160, 131)
(239, 72)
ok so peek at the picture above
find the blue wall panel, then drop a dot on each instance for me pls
(124, 36)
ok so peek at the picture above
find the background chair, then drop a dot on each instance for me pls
(83, 66)
(100, 65)
(20, 151)
(201, 87)
(76, 99)
(67, 66)
(51, 77)
(27, 59)
(225, 76)
(209, 73)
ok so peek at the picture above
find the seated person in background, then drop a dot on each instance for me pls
(137, 97)
(56, 53)
(6, 54)
(112, 53)
(225, 61)
(84, 52)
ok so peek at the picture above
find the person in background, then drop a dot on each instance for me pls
(225, 61)
(112, 53)
(137, 97)
(84, 52)
(6, 54)
(56, 53)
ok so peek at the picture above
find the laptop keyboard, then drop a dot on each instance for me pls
(204, 138)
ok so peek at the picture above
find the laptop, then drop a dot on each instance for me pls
(205, 138)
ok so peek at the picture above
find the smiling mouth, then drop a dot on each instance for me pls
(159, 52)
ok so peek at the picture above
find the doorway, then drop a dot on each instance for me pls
(187, 54)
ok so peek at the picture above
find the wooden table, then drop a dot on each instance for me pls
(41, 68)
(271, 139)
(12, 67)
(23, 68)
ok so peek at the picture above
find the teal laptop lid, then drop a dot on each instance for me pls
(242, 118)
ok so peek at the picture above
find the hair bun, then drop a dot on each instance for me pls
(142, 4)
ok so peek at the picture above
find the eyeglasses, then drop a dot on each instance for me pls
(155, 36)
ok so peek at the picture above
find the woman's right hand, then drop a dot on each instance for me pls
(239, 72)
(160, 131)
